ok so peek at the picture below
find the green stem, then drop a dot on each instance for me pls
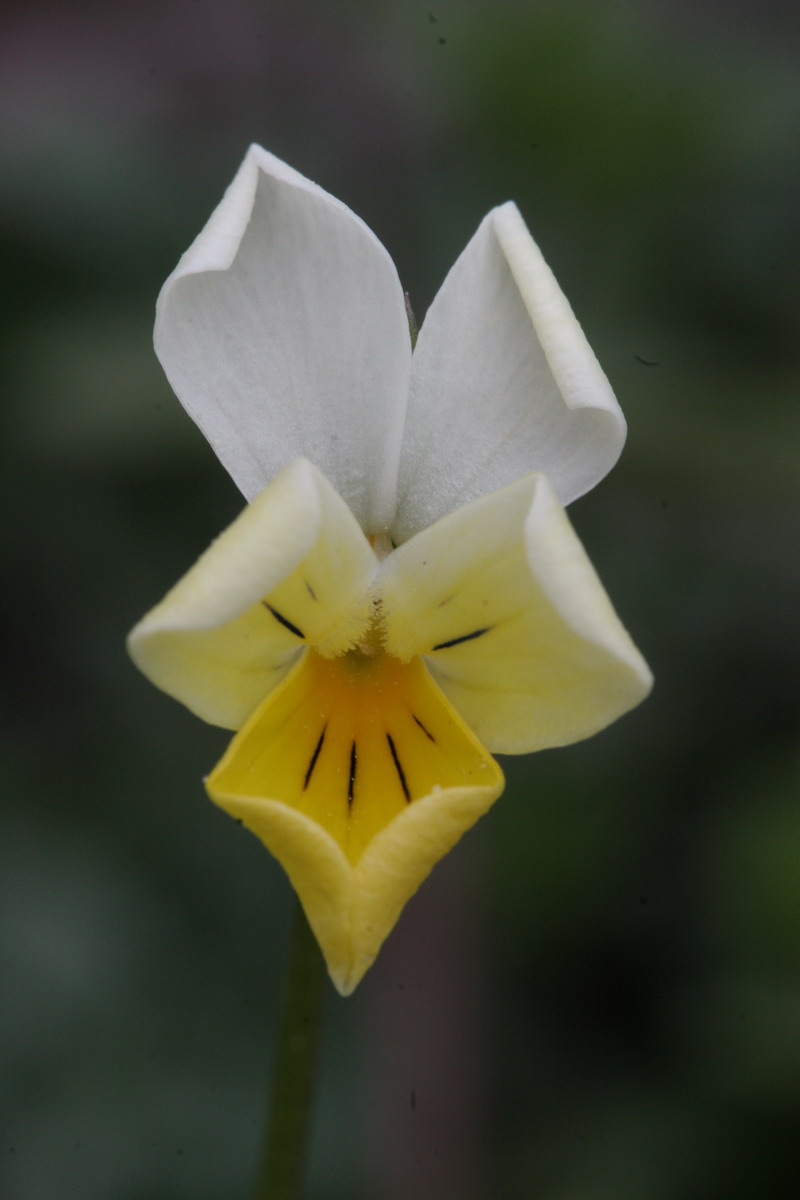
(281, 1174)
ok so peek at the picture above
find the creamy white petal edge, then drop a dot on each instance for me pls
(214, 644)
(537, 656)
(503, 383)
(283, 332)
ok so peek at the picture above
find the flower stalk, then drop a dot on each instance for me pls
(289, 1111)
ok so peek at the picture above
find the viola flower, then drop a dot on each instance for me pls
(403, 595)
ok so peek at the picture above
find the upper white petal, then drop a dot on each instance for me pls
(503, 383)
(283, 332)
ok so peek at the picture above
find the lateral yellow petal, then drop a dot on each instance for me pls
(293, 568)
(358, 776)
(513, 622)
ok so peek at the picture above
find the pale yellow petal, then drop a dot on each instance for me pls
(293, 568)
(514, 623)
(358, 776)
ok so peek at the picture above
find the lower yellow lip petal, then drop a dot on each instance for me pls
(335, 770)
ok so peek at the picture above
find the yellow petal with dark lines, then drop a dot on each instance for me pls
(342, 764)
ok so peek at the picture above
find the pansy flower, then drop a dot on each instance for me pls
(403, 595)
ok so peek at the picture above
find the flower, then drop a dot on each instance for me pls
(404, 593)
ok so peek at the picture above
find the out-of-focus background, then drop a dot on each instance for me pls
(597, 996)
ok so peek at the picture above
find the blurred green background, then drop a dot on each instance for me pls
(597, 996)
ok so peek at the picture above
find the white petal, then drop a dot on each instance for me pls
(503, 383)
(513, 622)
(283, 332)
(294, 569)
